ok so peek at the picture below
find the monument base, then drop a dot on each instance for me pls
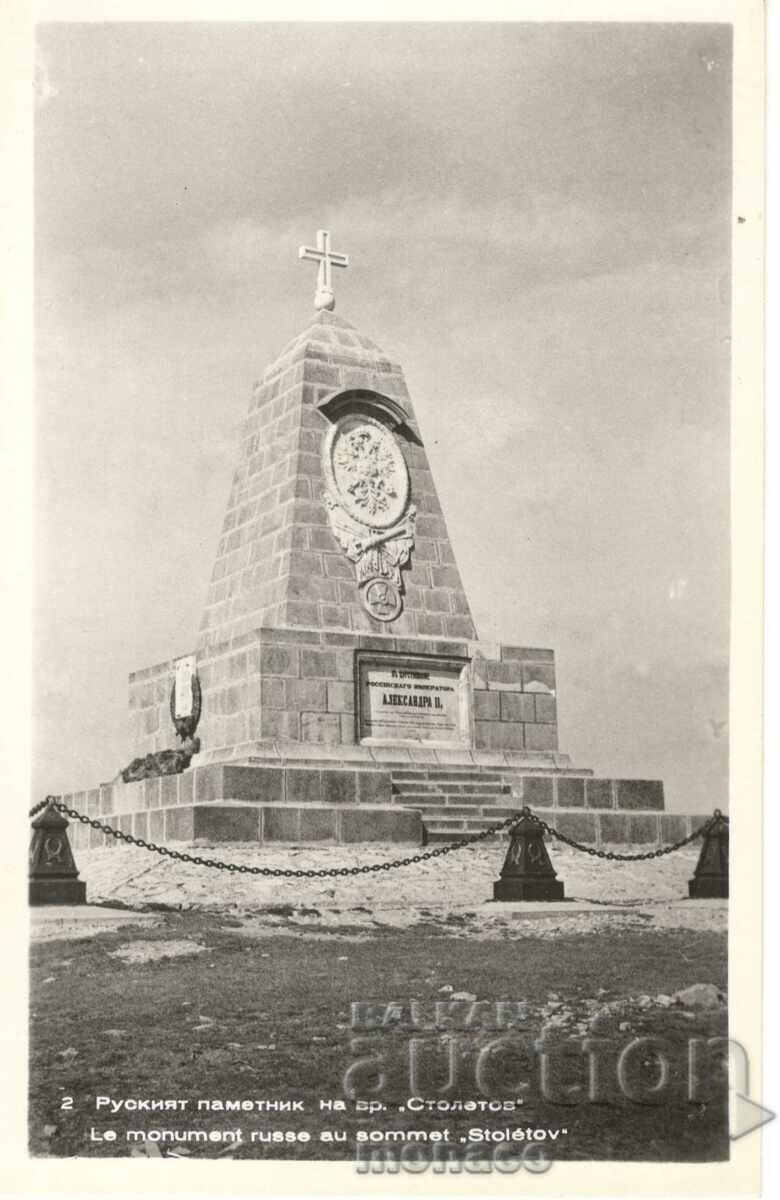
(708, 888)
(371, 795)
(57, 891)
(257, 821)
(528, 889)
(460, 732)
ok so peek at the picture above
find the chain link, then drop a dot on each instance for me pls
(340, 872)
(613, 857)
(278, 872)
(36, 808)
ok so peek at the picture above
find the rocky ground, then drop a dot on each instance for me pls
(450, 893)
(240, 986)
(225, 1006)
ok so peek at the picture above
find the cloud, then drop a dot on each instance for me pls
(430, 242)
(537, 223)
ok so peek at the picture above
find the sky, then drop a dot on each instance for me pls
(538, 223)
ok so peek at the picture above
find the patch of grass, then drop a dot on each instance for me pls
(274, 1024)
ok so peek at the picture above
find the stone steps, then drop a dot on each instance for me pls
(307, 763)
(422, 794)
(478, 817)
(450, 775)
(437, 833)
(475, 805)
(453, 801)
(419, 787)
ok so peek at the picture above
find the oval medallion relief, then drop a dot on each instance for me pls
(367, 472)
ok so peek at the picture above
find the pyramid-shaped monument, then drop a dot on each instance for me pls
(333, 521)
(337, 690)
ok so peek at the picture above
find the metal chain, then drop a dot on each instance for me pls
(281, 872)
(613, 857)
(335, 872)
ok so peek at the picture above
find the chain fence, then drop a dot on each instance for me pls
(525, 814)
(714, 820)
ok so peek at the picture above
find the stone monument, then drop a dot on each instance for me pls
(342, 690)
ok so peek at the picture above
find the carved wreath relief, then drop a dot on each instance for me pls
(367, 494)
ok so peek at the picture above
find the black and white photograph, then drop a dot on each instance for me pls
(382, 762)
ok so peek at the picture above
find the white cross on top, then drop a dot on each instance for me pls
(327, 258)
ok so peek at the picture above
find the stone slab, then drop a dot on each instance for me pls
(58, 921)
(538, 791)
(523, 909)
(599, 793)
(92, 914)
(234, 821)
(544, 908)
(226, 822)
(48, 892)
(258, 752)
(529, 889)
(405, 697)
(581, 826)
(571, 793)
(640, 794)
(366, 824)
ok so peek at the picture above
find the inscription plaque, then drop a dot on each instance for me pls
(409, 699)
(184, 669)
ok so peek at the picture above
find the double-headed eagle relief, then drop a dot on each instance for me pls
(367, 494)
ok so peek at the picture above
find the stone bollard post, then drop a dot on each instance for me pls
(711, 877)
(527, 873)
(53, 873)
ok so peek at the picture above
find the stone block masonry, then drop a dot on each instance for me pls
(320, 721)
(296, 685)
(278, 561)
(223, 821)
(459, 801)
(263, 805)
(277, 789)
